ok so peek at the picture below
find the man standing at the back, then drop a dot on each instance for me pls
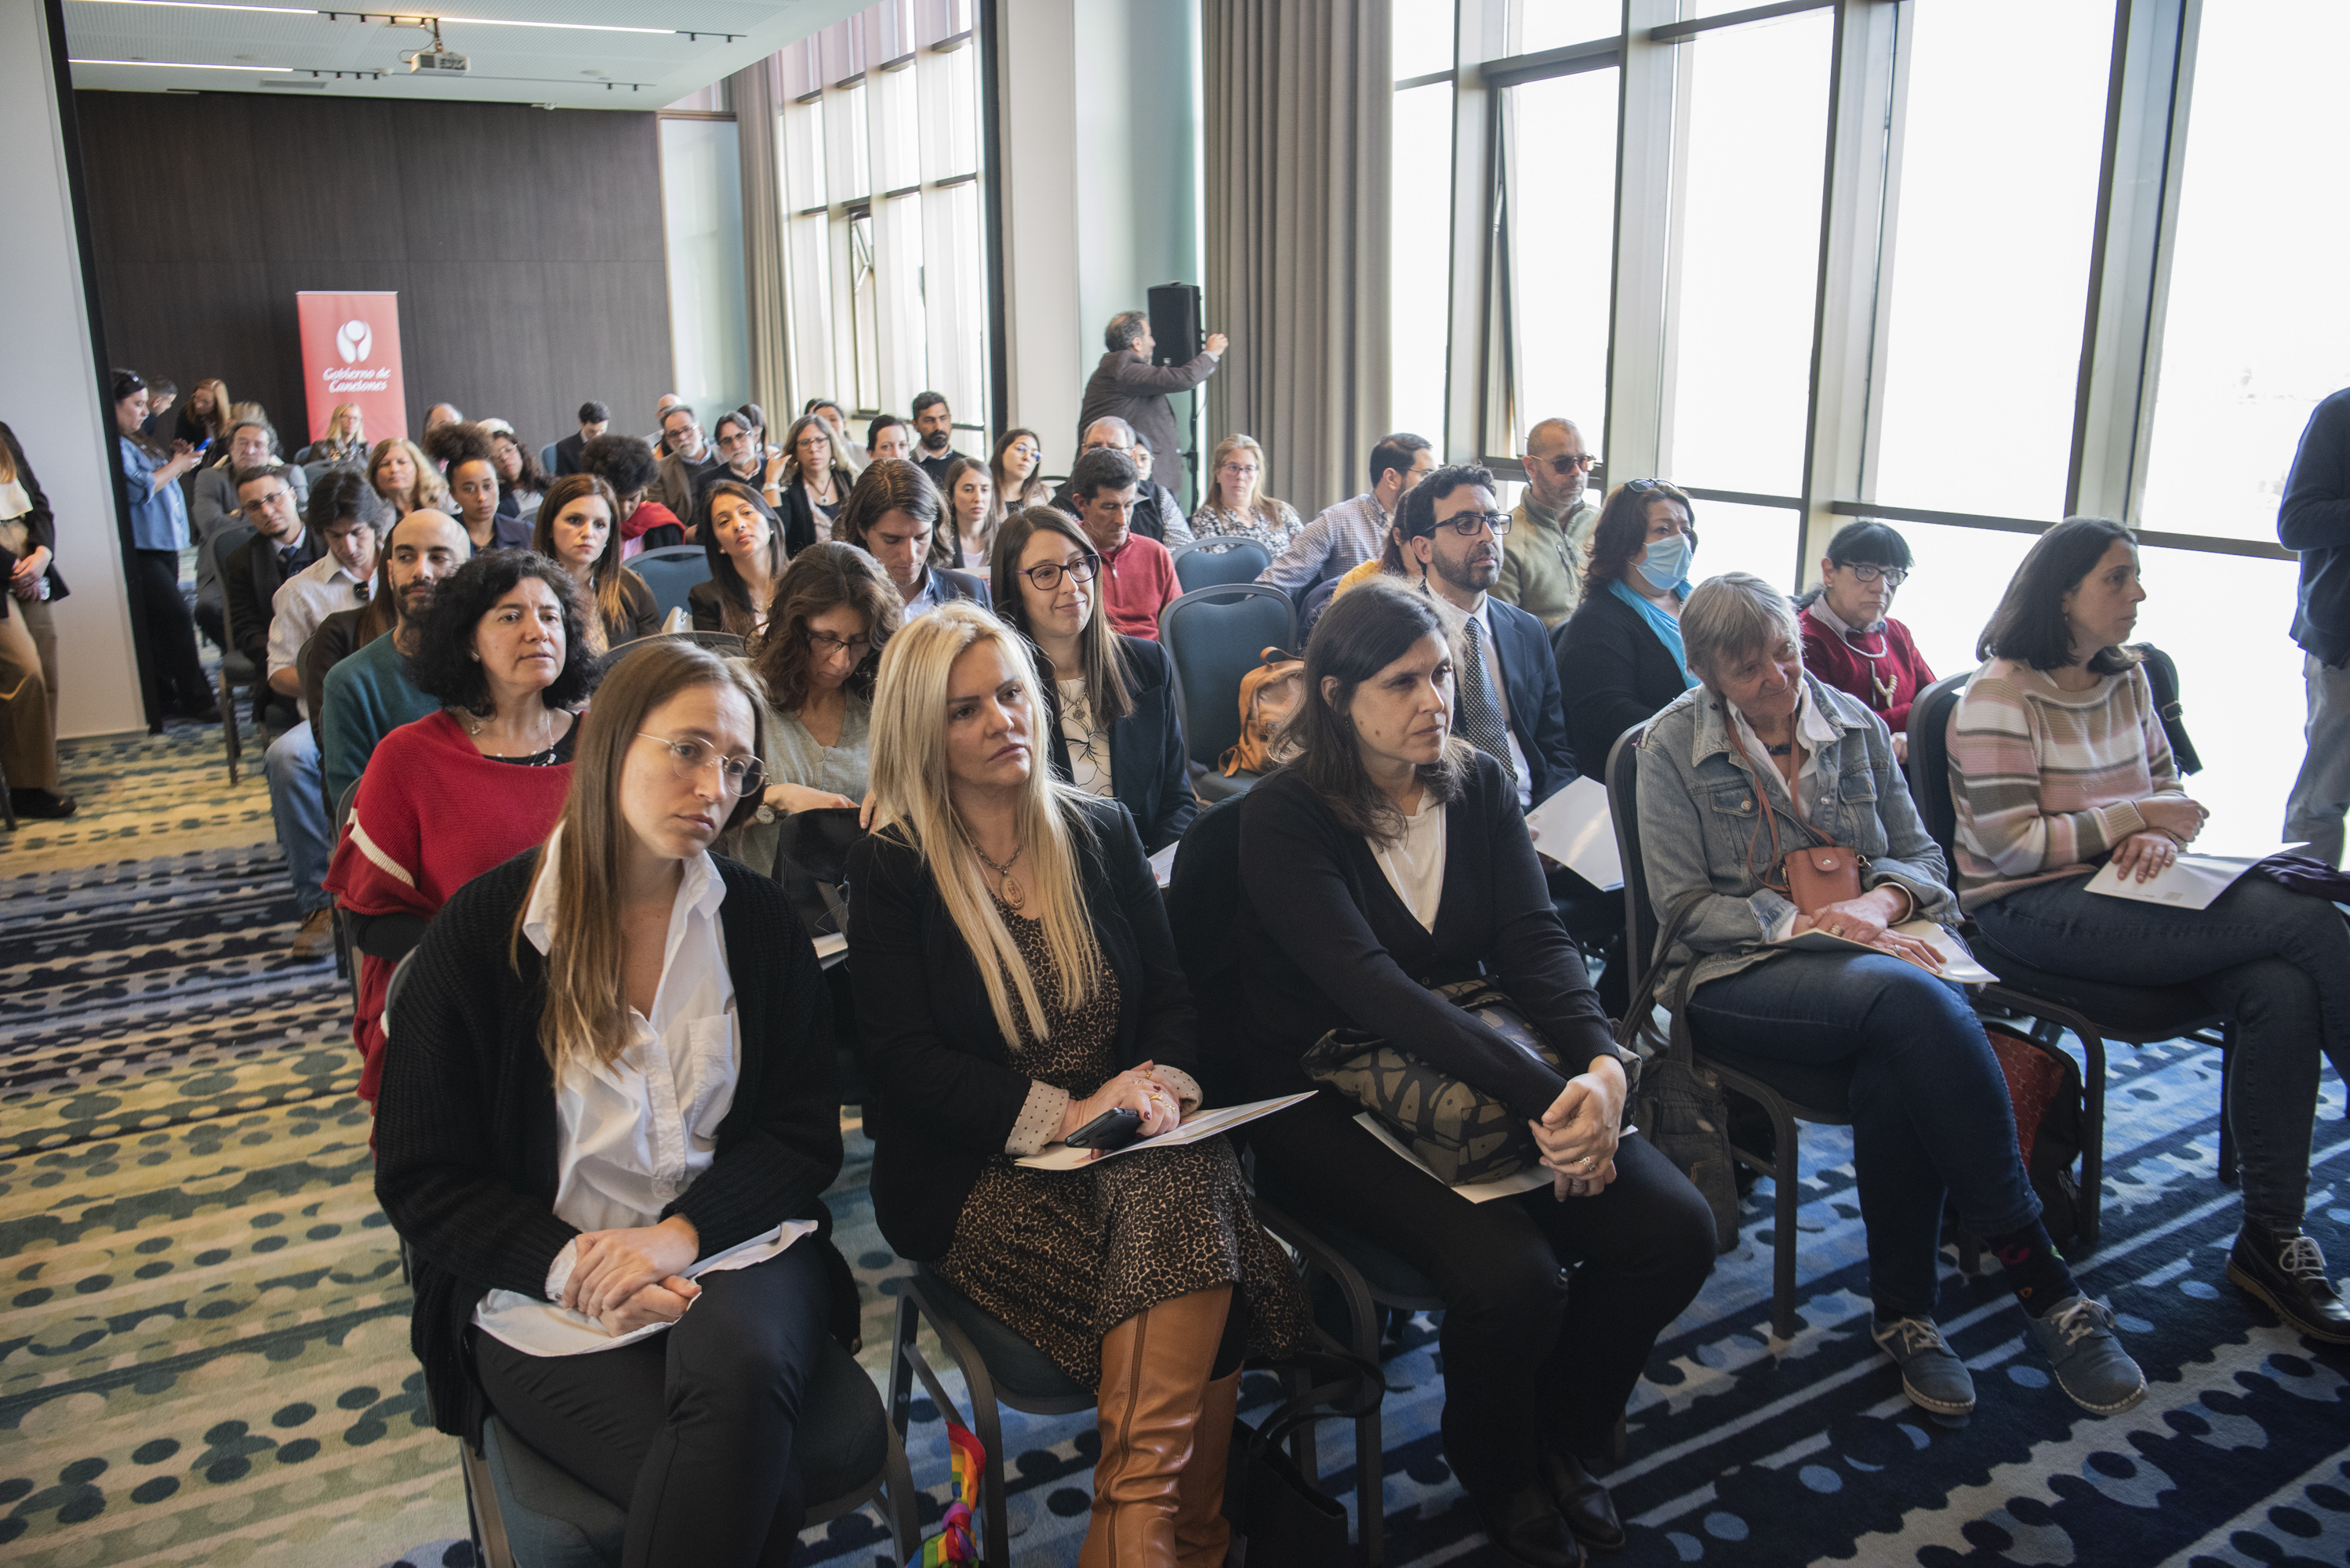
(2315, 520)
(1127, 385)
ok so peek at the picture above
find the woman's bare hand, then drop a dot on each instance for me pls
(1134, 1090)
(2143, 856)
(611, 1266)
(791, 797)
(2176, 815)
(665, 1302)
(1577, 1136)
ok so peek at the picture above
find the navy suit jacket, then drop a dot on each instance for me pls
(1529, 681)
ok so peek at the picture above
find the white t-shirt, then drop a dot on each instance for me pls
(1088, 743)
(1414, 864)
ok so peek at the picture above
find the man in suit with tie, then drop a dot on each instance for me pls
(595, 418)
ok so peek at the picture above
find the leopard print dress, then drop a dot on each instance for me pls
(1063, 1257)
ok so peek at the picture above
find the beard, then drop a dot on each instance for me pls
(937, 441)
(1470, 577)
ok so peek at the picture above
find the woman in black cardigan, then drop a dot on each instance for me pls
(1016, 979)
(1387, 859)
(1109, 699)
(614, 1096)
(29, 584)
(1619, 655)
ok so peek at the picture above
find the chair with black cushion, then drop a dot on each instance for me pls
(2095, 1011)
(1219, 559)
(1214, 637)
(1788, 1093)
(236, 672)
(670, 573)
(347, 946)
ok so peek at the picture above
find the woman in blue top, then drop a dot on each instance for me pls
(1619, 655)
(158, 530)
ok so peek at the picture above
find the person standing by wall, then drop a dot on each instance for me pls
(159, 531)
(28, 643)
(2315, 520)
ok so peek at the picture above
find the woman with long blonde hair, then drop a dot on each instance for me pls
(1015, 980)
(616, 1097)
(205, 415)
(345, 441)
(407, 479)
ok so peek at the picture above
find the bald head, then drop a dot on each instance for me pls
(1556, 464)
(422, 548)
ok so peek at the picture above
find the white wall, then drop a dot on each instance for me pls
(49, 386)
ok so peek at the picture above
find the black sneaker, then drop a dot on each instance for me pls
(43, 803)
(2287, 1270)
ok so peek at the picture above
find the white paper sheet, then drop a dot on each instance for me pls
(1197, 1126)
(1573, 827)
(1163, 863)
(1475, 1191)
(538, 1327)
(1958, 964)
(2191, 882)
(831, 947)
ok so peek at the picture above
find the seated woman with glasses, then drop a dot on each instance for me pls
(835, 612)
(1849, 641)
(1390, 859)
(614, 1098)
(1109, 699)
(2060, 766)
(447, 797)
(1619, 655)
(1237, 506)
(1761, 756)
(577, 525)
(1016, 979)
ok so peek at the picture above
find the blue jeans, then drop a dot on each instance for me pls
(1929, 1106)
(297, 799)
(2275, 962)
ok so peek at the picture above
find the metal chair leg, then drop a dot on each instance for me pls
(2093, 1137)
(235, 742)
(1786, 1168)
(2227, 1172)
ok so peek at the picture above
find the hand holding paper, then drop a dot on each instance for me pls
(1199, 1125)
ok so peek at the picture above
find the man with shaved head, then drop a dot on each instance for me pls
(1541, 555)
(367, 694)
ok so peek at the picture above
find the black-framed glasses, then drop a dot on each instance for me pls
(260, 505)
(1047, 575)
(1569, 463)
(824, 642)
(1468, 524)
(1867, 572)
(688, 756)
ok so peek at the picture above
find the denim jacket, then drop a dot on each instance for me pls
(1698, 828)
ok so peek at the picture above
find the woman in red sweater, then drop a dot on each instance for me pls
(449, 797)
(1848, 640)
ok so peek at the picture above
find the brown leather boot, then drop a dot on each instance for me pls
(1203, 1533)
(1154, 1369)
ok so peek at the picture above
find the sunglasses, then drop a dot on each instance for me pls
(1562, 466)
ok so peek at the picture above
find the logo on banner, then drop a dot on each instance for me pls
(354, 340)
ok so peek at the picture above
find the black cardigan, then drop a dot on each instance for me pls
(1326, 944)
(466, 1130)
(40, 523)
(945, 1091)
(1614, 672)
(1149, 771)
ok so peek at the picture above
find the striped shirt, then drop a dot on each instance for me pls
(2045, 779)
(1341, 537)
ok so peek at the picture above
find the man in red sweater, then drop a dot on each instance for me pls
(1138, 574)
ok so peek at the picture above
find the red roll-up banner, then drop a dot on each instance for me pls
(350, 354)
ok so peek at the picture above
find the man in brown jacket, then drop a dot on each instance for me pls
(1127, 385)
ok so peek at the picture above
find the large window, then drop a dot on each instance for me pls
(1419, 266)
(1558, 161)
(885, 262)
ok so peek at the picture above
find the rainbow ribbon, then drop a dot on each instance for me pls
(953, 1542)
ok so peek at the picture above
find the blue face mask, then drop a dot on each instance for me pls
(1667, 562)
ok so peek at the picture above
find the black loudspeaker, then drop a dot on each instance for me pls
(1175, 323)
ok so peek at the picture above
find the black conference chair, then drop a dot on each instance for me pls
(347, 946)
(1217, 560)
(2095, 1011)
(236, 672)
(670, 572)
(1214, 637)
(724, 642)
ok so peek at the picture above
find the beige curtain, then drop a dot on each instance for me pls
(1298, 96)
(756, 105)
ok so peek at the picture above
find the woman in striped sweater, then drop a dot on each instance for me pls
(2059, 763)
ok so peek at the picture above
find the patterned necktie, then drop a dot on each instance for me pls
(1481, 716)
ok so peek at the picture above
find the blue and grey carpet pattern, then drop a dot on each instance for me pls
(205, 1354)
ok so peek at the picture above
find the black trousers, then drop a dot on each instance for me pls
(690, 1430)
(1530, 1357)
(171, 636)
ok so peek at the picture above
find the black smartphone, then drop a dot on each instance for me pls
(1111, 1130)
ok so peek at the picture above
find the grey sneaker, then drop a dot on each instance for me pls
(2077, 1337)
(1931, 1372)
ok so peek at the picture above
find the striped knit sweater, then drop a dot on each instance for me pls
(2044, 780)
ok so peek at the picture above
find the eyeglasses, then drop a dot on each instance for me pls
(1048, 576)
(1866, 573)
(261, 505)
(823, 643)
(1562, 466)
(688, 757)
(1643, 486)
(1468, 524)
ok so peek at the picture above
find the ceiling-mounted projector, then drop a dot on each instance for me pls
(446, 61)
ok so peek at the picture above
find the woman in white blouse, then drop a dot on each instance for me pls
(607, 1127)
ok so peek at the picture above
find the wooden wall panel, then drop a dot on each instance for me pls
(525, 246)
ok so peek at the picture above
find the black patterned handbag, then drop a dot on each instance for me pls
(1679, 1106)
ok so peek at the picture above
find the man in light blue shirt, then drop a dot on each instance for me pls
(1345, 535)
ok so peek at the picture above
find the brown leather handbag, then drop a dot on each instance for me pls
(1814, 876)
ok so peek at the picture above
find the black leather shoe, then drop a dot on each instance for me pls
(1582, 1503)
(1525, 1527)
(43, 803)
(2287, 1270)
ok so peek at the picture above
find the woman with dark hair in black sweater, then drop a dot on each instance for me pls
(1390, 859)
(1619, 655)
(614, 1097)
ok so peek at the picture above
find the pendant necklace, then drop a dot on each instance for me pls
(1015, 895)
(1879, 683)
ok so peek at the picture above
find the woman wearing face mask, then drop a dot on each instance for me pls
(579, 527)
(1619, 655)
(1849, 640)
(1109, 699)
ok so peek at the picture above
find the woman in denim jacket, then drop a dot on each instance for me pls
(1929, 1106)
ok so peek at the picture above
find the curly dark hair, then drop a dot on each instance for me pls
(443, 666)
(626, 462)
(821, 577)
(1622, 531)
(450, 445)
(1123, 329)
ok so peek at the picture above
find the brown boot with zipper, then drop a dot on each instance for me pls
(1203, 1533)
(1155, 1369)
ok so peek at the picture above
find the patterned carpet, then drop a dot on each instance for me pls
(205, 1359)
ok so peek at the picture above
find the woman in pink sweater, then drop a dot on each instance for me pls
(2059, 765)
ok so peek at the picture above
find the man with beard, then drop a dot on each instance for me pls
(368, 694)
(1542, 555)
(934, 449)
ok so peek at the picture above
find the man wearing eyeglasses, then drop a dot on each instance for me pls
(1542, 559)
(689, 454)
(251, 576)
(1156, 514)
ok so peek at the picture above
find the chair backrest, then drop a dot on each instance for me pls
(1214, 637)
(2162, 681)
(1929, 760)
(1623, 811)
(546, 459)
(394, 986)
(1202, 891)
(224, 544)
(722, 642)
(670, 572)
(343, 808)
(1219, 559)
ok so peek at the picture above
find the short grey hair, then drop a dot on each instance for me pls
(1731, 616)
(1124, 328)
(1115, 426)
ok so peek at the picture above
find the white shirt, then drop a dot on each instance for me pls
(1414, 864)
(635, 1132)
(301, 602)
(1088, 742)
